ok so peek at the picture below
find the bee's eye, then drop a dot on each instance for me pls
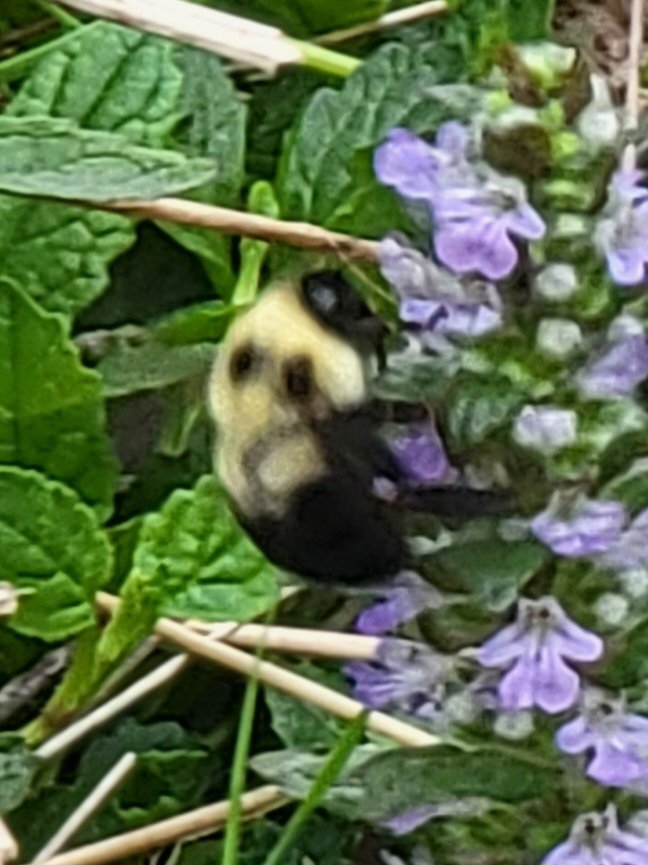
(298, 378)
(243, 363)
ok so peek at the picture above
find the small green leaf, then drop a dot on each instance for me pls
(299, 724)
(478, 407)
(629, 663)
(53, 547)
(51, 408)
(152, 365)
(317, 178)
(17, 768)
(203, 563)
(492, 570)
(56, 158)
(435, 774)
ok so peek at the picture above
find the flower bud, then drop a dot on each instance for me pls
(556, 283)
(545, 429)
(611, 608)
(558, 337)
(514, 725)
(8, 599)
(634, 582)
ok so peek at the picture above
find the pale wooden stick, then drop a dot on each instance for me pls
(301, 234)
(193, 824)
(285, 680)
(90, 805)
(391, 19)
(228, 35)
(298, 641)
(8, 844)
(162, 675)
(632, 103)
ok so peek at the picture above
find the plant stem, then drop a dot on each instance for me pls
(325, 60)
(327, 776)
(65, 19)
(237, 783)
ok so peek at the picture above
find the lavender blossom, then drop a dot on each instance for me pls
(577, 527)
(621, 366)
(434, 301)
(408, 821)
(546, 429)
(534, 650)
(622, 236)
(618, 740)
(405, 597)
(405, 675)
(421, 456)
(476, 210)
(630, 552)
(595, 839)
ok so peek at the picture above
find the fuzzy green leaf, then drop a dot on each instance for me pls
(17, 768)
(153, 365)
(319, 180)
(51, 408)
(53, 547)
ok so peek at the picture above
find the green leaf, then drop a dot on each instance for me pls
(203, 563)
(53, 547)
(17, 768)
(103, 77)
(152, 365)
(51, 409)
(436, 774)
(56, 158)
(629, 663)
(107, 77)
(529, 19)
(492, 570)
(200, 322)
(317, 180)
(478, 407)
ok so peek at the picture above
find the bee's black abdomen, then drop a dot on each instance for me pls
(332, 533)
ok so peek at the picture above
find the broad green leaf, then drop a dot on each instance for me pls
(202, 562)
(152, 365)
(104, 77)
(200, 322)
(629, 663)
(403, 779)
(318, 178)
(51, 408)
(492, 570)
(53, 548)
(169, 777)
(17, 768)
(56, 158)
(107, 77)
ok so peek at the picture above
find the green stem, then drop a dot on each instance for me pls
(327, 775)
(239, 764)
(17, 67)
(64, 18)
(325, 60)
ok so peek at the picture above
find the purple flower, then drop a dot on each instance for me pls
(433, 300)
(576, 527)
(618, 740)
(545, 428)
(595, 839)
(405, 675)
(622, 236)
(630, 552)
(408, 821)
(476, 210)
(534, 650)
(618, 370)
(421, 456)
(404, 598)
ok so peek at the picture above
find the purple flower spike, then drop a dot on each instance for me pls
(405, 675)
(534, 650)
(630, 552)
(618, 370)
(579, 527)
(622, 236)
(595, 839)
(421, 456)
(618, 740)
(406, 597)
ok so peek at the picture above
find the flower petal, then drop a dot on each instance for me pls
(616, 767)
(575, 643)
(525, 222)
(406, 162)
(517, 688)
(503, 647)
(555, 686)
(575, 736)
(570, 853)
